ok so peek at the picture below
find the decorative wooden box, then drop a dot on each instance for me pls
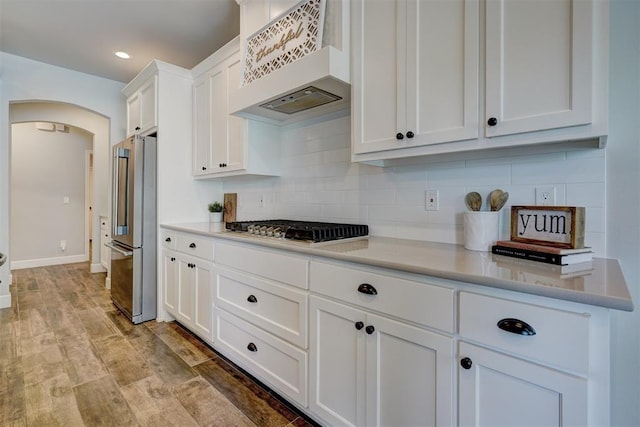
(559, 226)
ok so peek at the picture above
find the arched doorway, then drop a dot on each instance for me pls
(90, 123)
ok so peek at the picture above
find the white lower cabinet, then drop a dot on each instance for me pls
(195, 295)
(500, 390)
(261, 315)
(356, 345)
(188, 281)
(371, 370)
(375, 356)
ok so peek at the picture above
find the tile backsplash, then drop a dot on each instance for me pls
(319, 182)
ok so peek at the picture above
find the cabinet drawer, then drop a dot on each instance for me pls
(428, 305)
(285, 268)
(168, 239)
(281, 310)
(561, 337)
(278, 363)
(199, 246)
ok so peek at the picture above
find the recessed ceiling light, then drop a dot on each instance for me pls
(123, 55)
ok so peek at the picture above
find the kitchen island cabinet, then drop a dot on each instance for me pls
(425, 347)
(522, 88)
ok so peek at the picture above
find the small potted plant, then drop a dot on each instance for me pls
(215, 212)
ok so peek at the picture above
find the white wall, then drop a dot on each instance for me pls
(46, 167)
(22, 79)
(623, 203)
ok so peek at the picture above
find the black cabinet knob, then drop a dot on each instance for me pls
(219, 165)
(492, 121)
(466, 363)
(410, 134)
(137, 127)
(252, 298)
(359, 325)
(192, 245)
(370, 329)
(516, 326)
(399, 135)
(204, 168)
(168, 239)
(173, 259)
(366, 288)
(252, 347)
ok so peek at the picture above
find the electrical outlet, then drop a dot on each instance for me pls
(63, 245)
(546, 196)
(431, 201)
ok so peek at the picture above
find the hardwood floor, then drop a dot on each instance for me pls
(69, 358)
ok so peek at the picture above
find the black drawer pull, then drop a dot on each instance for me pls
(516, 326)
(359, 325)
(192, 245)
(252, 298)
(252, 347)
(366, 288)
(168, 239)
(173, 258)
(370, 329)
(466, 363)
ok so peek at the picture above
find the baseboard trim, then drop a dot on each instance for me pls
(44, 262)
(97, 268)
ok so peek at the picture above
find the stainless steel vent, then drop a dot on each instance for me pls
(300, 100)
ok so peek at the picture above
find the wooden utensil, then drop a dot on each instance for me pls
(497, 199)
(473, 200)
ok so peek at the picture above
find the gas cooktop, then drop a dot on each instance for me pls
(309, 231)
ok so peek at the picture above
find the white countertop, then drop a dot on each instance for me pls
(604, 285)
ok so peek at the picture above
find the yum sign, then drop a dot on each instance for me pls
(559, 226)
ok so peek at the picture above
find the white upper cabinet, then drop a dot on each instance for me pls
(538, 65)
(439, 77)
(226, 145)
(415, 73)
(142, 108)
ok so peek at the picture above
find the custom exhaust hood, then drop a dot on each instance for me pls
(310, 85)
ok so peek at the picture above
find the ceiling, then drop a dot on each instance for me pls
(83, 35)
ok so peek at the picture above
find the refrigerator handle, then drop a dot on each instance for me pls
(118, 249)
(120, 205)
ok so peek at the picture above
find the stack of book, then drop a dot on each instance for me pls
(542, 253)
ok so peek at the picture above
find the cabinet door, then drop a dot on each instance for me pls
(337, 360)
(538, 70)
(219, 117)
(186, 274)
(499, 390)
(378, 39)
(133, 113)
(148, 106)
(203, 282)
(409, 375)
(236, 129)
(170, 281)
(201, 125)
(415, 73)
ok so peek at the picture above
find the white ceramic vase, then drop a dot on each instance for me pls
(215, 216)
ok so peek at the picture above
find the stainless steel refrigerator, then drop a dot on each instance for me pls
(133, 235)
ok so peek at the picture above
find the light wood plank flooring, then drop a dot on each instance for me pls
(69, 358)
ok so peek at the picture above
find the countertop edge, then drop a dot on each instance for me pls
(621, 304)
